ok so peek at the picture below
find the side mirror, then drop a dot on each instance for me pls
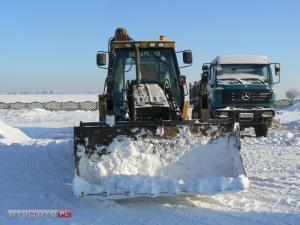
(187, 57)
(101, 59)
(277, 69)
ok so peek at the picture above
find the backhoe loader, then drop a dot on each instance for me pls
(144, 143)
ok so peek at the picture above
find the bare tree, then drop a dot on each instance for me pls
(292, 94)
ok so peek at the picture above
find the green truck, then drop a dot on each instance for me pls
(238, 88)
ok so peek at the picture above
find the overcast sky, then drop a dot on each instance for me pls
(51, 45)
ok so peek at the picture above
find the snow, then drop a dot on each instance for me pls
(145, 166)
(241, 78)
(291, 116)
(241, 59)
(44, 118)
(39, 176)
(10, 135)
(110, 120)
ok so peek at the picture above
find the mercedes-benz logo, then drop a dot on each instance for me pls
(246, 96)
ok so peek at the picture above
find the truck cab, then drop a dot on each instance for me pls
(240, 88)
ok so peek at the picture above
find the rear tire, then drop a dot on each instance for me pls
(261, 131)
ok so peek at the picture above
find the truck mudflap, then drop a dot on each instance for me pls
(164, 158)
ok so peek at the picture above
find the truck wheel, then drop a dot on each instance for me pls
(261, 131)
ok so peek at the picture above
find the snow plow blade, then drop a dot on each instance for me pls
(166, 158)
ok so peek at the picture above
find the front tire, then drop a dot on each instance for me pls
(261, 131)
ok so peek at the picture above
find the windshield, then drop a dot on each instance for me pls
(244, 73)
(156, 65)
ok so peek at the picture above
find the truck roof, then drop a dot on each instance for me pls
(241, 59)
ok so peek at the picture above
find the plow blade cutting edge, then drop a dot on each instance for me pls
(146, 158)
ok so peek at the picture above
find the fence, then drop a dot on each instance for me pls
(284, 103)
(52, 106)
(92, 106)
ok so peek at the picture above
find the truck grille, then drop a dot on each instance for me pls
(246, 97)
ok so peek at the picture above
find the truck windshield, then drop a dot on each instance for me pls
(253, 73)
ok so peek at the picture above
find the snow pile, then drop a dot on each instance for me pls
(147, 166)
(14, 136)
(10, 135)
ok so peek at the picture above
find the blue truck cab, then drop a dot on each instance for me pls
(238, 87)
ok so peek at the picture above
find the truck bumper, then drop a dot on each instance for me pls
(247, 117)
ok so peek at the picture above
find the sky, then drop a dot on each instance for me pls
(51, 45)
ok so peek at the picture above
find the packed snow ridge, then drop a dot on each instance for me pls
(10, 135)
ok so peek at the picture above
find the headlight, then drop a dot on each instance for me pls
(267, 114)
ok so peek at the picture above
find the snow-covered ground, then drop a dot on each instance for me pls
(291, 116)
(37, 169)
(44, 118)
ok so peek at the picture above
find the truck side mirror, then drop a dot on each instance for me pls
(101, 59)
(277, 69)
(187, 57)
